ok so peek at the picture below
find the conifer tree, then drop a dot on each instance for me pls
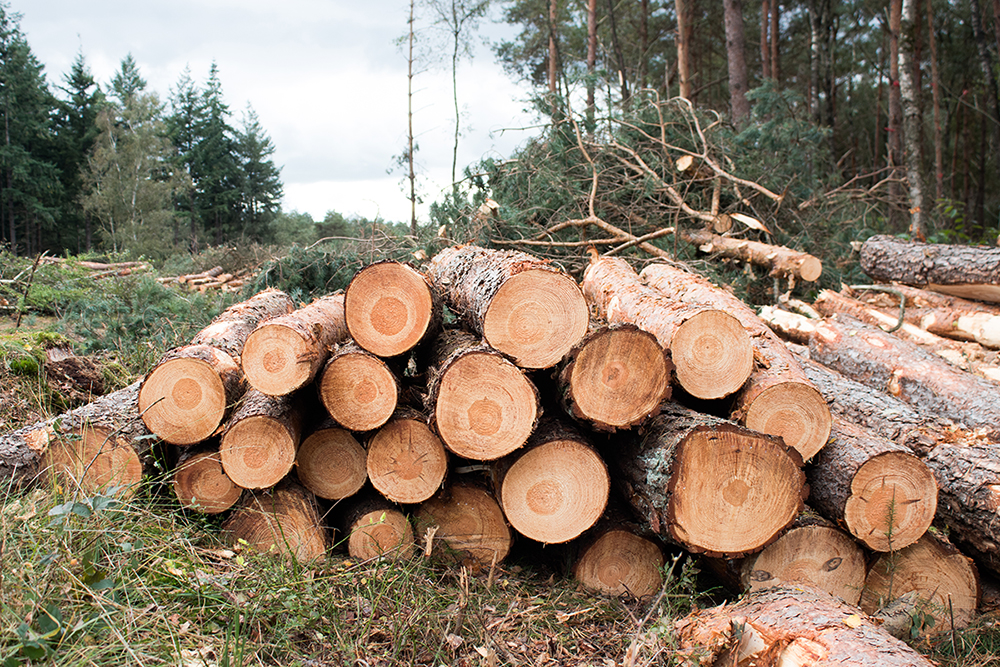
(260, 180)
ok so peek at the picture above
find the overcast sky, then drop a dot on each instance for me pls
(326, 78)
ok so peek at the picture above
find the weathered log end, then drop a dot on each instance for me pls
(620, 562)
(467, 519)
(377, 529)
(331, 463)
(284, 520)
(406, 462)
(93, 459)
(201, 484)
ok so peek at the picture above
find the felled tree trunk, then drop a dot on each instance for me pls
(783, 262)
(201, 484)
(615, 559)
(283, 520)
(331, 463)
(285, 354)
(710, 350)
(708, 484)
(884, 494)
(375, 528)
(185, 397)
(522, 306)
(616, 377)
(406, 461)
(778, 399)
(391, 308)
(791, 626)
(965, 271)
(464, 518)
(259, 445)
(358, 389)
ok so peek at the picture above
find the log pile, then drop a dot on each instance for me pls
(545, 411)
(215, 278)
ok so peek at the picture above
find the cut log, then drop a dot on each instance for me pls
(481, 405)
(285, 354)
(260, 441)
(522, 306)
(778, 399)
(556, 488)
(616, 377)
(881, 491)
(946, 584)
(616, 561)
(201, 484)
(284, 520)
(708, 484)
(783, 262)
(465, 518)
(331, 462)
(789, 626)
(358, 389)
(964, 271)
(375, 528)
(391, 308)
(711, 351)
(406, 462)
(185, 397)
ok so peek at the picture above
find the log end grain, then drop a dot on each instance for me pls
(795, 412)
(358, 390)
(810, 268)
(92, 459)
(389, 308)
(406, 461)
(380, 533)
(332, 464)
(276, 360)
(201, 484)
(536, 317)
(282, 521)
(257, 452)
(467, 519)
(183, 400)
(712, 353)
(620, 562)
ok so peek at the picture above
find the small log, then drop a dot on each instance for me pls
(778, 399)
(185, 397)
(711, 351)
(481, 405)
(708, 484)
(391, 308)
(783, 262)
(285, 354)
(946, 584)
(792, 626)
(618, 561)
(522, 306)
(201, 484)
(556, 488)
(331, 462)
(965, 271)
(616, 377)
(375, 528)
(284, 520)
(406, 462)
(466, 518)
(882, 492)
(260, 441)
(358, 389)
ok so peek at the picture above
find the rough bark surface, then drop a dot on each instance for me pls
(783, 262)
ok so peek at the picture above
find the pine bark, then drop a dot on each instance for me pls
(260, 441)
(913, 132)
(406, 463)
(783, 262)
(358, 389)
(736, 61)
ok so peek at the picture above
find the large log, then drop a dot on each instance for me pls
(285, 353)
(778, 399)
(284, 520)
(881, 491)
(790, 626)
(260, 441)
(783, 262)
(708, 484)
(185, 397)
(523, 306)
(406, 462)
(964, 271)
(331, 463)
(465, 518)
(616, 377)
(358, 389)
(391, 308)
(710, 350)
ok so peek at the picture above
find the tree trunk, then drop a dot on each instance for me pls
(765, 51)
(936, 92)
(481, 405)
(616, 560)
(201, 484)
(913, 134)
(881, 491)
(616, 377)
(556, 488)
(775, 41)
(406, 462)
(778, 399)
(736, 59)
(683, 13)
(331, 462)
(259, 444)
(711, 351)
(895, 110)
(709, 485)
(591, 65)
(986, 62)
(791, 626)
(284, 520)
(375, 528)
(468, 519)
(553, 52)
(284, 354)
(616, 47)
(524, 307)
(391, 308)
(783, 262)
(358, 389)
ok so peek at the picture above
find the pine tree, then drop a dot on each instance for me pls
(260, 184)
(216, 170)
(185, 126)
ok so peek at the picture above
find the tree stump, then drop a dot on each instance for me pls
(259, 445)
(467, 519)
(331, 463)
(358, 389)
(406, 462)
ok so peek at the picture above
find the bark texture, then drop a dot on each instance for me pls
(783, 262)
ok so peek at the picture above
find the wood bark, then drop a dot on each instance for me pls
(375, 528)
(970, 272)
(407, 462)
(616, 377)
(260, 441)
(480, 404)
(791, 626)
(284, 520)
(523, 306)
(783, 262)
(556, 488)
(708, 484)
(77, 379)
(882, 492)
(736, 60)
(284, 354)
(912, 121)
(201, 484)
(618, 561)
(465, 519)
(391, 308)
(778, 399)
(711, 351)
(331, 463)
(359, 390)
(683, 47)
